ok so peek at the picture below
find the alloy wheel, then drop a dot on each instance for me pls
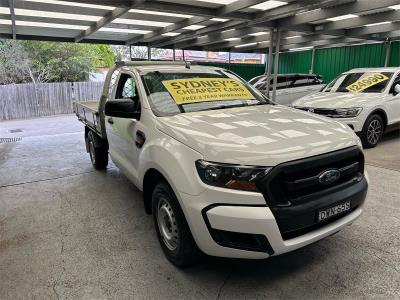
(374, 132)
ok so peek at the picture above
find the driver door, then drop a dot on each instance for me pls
(121, 132)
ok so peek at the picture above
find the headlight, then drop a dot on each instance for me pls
(231, 176)
(346, 112)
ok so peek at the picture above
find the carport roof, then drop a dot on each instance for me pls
(217, 25)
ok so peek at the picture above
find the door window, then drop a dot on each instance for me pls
(396, 81)
(126, 87)
(127, 90)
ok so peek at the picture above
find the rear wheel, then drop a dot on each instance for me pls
(98, 151)
(372, 131)
(173, 232)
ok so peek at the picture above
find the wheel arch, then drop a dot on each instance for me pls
(151, 178)
(98, 140)
(380, 112)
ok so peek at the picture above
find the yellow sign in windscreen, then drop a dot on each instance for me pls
(365, 82)
(195, 90)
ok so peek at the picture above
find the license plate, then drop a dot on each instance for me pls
(330, 212)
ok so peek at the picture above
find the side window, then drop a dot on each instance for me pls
(300, 81)
(127, 91)
(281, 83)
(396, 81)
(126, 88)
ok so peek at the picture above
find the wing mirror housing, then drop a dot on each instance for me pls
(122, 109)
(396, 89)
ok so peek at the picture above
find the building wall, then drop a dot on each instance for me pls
(295, 62)
(330, 62)
(394, 60)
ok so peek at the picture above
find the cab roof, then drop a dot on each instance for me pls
(176, 68)
(165, 66)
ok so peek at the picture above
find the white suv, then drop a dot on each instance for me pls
(366, 99)
(222, 169)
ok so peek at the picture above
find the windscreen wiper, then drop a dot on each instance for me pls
(227, 106)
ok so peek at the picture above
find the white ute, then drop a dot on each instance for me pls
(367, 100)
(223, 170)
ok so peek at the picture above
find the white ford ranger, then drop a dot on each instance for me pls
(223, 170)
(367, 100)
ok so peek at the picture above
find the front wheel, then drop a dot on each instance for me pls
(173, 232)
(372, 131)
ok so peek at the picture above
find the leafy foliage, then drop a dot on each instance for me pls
(35, 61)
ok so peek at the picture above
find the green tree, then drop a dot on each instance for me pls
(36, 61)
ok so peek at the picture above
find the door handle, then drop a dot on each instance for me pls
(110, 120)
(140, 139)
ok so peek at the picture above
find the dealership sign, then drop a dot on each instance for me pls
(194, 90)
(365, 82)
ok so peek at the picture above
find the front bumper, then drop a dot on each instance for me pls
(223, 210)
(354, 123)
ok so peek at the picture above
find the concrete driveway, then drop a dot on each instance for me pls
(68, 232)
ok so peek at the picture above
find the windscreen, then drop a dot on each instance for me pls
(362, 82)
(171, 93)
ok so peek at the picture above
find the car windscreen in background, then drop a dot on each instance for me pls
(363, 82)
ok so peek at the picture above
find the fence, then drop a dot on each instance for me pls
(20, 101)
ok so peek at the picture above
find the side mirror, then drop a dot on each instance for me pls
(122, 109)
(396, 89)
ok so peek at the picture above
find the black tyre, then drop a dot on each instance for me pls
(98, 151)
(372, 131)
(173, 232)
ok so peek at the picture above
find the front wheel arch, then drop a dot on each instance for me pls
(151, 178)
(380, 112)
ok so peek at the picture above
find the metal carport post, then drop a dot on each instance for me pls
(269, 59)
(276, 63)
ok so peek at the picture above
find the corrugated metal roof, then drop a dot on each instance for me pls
(225, 25)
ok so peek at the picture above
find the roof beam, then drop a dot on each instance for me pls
(287, 10)
(335, 11)
(264, 38)
(368, 30)
(207, 30)
(108, 18)
(216, 38)
(315, 40)
(170, 28)
(393, 35)
(329, 27)
(193, 10)
(57, 8)
(236, 6)
(321, 43)
(221, 11)
(263, 19)
(245, 40)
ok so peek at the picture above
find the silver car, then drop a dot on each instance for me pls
(290, 87)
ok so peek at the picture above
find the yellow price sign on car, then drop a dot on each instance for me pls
(365, 82)
(194, 90)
